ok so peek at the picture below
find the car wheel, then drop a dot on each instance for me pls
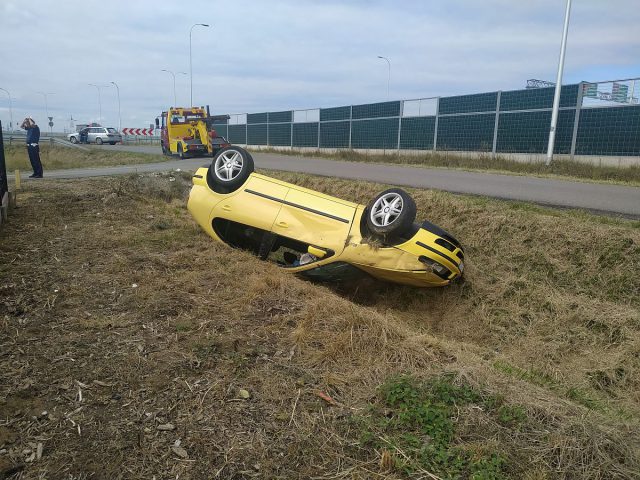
(98, 141)
(181, 152)
(391, 213)
(73, 140)
(231, 167)
(112, 143)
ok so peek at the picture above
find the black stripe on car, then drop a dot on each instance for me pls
(295, 205)
(443, 255)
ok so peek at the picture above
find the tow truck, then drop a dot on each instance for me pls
(189, 132)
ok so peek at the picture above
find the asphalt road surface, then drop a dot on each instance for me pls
(612, 199)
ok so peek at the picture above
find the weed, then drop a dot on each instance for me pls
(512, 415)
(418, 418)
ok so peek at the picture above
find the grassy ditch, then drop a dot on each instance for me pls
(55, 157)
(131, 345)
(559, 168)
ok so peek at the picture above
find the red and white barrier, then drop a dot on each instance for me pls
(145, 132)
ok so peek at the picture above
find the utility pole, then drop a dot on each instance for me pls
(389, 77)
(556, 96)
(175, 101)
(190, 57)
(46, 109)
(119, 115)
(11, 109)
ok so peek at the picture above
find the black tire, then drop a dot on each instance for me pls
(181, 153)
(98, 141)
(73, 139)
(112, 143)
(391, 213)
(233, 162)
(164, 149)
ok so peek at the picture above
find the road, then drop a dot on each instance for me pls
(611, 199)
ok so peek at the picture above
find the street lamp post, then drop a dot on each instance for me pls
(99, 101)
(389, 77)
(46, 106)
(175, 102)
(556, 96)
(119, 115)
(190, 59)
(11, 109)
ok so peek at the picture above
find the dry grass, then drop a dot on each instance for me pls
(547, 319)
(486, 162)
(56, 157)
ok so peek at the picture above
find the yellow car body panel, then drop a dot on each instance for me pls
(322, 222)
(264, 208)
(330, 227)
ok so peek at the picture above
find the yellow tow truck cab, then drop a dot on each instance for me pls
(189, 132)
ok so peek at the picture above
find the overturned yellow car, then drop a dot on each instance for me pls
(317, 235)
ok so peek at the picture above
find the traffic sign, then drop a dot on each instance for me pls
(590, 90)
(51, 124)
(138, 131)
(619, 92)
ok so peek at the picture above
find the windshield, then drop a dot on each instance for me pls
(178, 119)
(112, 130)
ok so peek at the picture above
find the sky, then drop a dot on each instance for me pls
(275, 55)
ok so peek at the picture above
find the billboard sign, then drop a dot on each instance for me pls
(619, 92)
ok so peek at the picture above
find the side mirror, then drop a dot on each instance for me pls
(157, 122)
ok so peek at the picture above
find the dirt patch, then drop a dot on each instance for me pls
(132, 346)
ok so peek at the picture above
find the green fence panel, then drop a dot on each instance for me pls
(528, 132)
(479, 102)
(466, 132)
(280, 117)
(376, 110)
(305, 134)
(280, 134)
(257, 134)
(238, 134)
(334, 135)
(416, 133)
(222, 130)
(256, 117)
(382, 133)
(609, 131)
(335, 113)
(537, 98)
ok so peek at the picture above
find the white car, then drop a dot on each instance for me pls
(98, 135)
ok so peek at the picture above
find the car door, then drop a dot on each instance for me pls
(91, 135)
(255, 204)
(315, 219)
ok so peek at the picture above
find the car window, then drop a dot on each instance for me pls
(181, 119)
(112, 130)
